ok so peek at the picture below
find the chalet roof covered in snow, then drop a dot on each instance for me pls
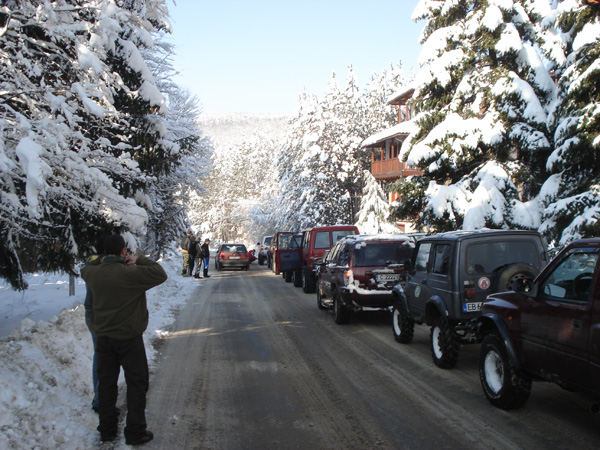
(403, 128)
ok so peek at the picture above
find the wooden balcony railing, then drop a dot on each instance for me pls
(392, 168)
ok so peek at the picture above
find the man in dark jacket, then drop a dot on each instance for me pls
(205, 252)
(119, 318)
(192, 250)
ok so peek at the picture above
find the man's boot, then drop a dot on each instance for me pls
(206, 275)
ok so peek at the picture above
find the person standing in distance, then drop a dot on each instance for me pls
(119, 318)
(192, 251)
(205, 251)
(185, 245)
(199, 258)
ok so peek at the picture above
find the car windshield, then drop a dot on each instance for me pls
(233, 249)
(382, 254)
(336, 235)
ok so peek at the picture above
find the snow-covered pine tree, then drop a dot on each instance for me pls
(483, 94)
(321, 163)
(239, 189)
(173, 193)
(571, 195)
(295, 173)
(77, 128)
(378, 115)
(373, 217)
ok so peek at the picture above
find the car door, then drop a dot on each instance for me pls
(417, 291)
(556, 323)
(327, 271)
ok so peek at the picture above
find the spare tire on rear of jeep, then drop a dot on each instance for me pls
(512, 272)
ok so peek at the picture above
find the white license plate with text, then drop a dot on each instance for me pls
(387, 277)
(472, 307)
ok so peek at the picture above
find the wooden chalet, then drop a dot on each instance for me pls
(385, 147)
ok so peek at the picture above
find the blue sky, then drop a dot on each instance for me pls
(258, 56)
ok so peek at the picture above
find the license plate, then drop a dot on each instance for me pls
(472, 307)
(387, 277)
(234, 257)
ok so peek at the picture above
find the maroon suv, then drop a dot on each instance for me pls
(359, 273)
(548, 329)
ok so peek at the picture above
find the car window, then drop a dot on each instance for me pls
(488, 257)
(332, 255)
(306, 239)
(336, 235)
(381, 254)
(422, 257)
(284, 241)
(441, 259)
(295, 241)
(322, 239)
(572, 278)
(234, 249)
(344, 255)
(267, 241)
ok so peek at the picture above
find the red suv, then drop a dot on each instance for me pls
(232, 255)
(549, 329)
(359, 273)
(315, 242)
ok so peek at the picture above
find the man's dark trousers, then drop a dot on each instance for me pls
(131, 355)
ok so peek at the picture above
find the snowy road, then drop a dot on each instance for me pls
(253, 363)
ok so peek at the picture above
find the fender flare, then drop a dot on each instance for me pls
(489, 323)
(400, 297)
(438, 304)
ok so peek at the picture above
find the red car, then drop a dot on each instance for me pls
(359, 273)
(232, 255)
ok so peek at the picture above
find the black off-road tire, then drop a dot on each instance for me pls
(297, 278)
(513, 272)
(341, 314)
(261, 260)
(444, 345)
(319, 303)
(502, 384)
(402, 325)
(287, 276)
(309, 283)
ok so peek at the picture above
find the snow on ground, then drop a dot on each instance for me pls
(46, 359)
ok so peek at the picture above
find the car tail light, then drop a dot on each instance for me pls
(348, 276)
(469, 290)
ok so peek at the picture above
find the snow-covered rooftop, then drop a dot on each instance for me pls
(403, 128)
(401, 96)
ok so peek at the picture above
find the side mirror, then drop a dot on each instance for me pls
(318, 261)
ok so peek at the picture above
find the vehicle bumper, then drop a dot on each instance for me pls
(230, 264)
(363, 298)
